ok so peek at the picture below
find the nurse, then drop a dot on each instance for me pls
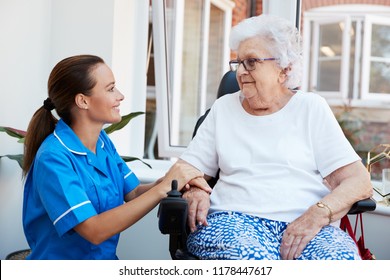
(79, 194)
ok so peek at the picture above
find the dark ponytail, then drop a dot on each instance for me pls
(41, 125)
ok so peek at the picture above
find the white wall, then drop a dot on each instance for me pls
(34, 36)
(24, 49)
(377, 232)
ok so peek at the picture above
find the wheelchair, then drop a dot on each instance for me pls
(173, 210)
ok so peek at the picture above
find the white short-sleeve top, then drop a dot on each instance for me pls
(270, 166)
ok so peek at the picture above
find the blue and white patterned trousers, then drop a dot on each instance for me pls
(233, 235)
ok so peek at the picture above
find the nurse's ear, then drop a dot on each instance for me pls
(81, 101)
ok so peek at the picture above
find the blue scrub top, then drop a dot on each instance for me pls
(68, 184)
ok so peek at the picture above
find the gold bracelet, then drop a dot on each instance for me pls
(320, 204)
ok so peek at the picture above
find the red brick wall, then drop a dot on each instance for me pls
(243, 7)
(240, 11)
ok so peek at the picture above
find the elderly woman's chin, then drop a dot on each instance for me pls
(248, 92)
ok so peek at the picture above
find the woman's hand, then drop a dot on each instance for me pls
(348, 184)
(299, 233)
(198, 206)
(184, 173)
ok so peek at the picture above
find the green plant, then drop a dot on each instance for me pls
(20, 135)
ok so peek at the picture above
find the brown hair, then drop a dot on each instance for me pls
(69, 77)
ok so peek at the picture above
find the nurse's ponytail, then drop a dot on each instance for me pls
(41, 125)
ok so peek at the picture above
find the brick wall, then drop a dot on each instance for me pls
(240, 11)
(243, 9)
(365, 127)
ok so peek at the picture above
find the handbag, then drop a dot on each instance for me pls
(345, 225)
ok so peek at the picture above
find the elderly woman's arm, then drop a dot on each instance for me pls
(349, 184)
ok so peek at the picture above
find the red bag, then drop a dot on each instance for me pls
(345, 225)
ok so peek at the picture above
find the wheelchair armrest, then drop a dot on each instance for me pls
(361, 206)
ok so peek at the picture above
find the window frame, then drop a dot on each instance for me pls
(367, 58)
(312, 58)
(166, 149)
(364, 15)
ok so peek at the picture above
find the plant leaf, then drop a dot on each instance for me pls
(127, 159)
(20, 134)
(125, 120)
(18, 158)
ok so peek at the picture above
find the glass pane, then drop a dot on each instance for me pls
(380, 62)
(331, 38)
(380, 77)
(352, 58)
(191, 71)
(170, 12)
(185, 68)
(329, 61)
(380, 41)
(328, 76)
(215, 49)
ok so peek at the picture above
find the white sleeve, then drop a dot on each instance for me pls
(332, 150)
(201, 152)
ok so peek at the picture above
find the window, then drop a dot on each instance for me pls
(191, 54)
(347, 54)
(376, 58)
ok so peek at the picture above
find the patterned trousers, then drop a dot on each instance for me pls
(233, 235)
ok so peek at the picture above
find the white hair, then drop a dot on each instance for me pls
(282, 40)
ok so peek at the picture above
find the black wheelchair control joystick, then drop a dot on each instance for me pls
(174, 192)
(172, 212)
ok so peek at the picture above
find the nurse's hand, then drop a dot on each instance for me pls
(184, 173)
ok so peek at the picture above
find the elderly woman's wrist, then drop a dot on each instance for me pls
(325, 207)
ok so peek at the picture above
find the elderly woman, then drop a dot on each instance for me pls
(287, 173)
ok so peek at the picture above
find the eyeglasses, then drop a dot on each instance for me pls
(249, 63)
